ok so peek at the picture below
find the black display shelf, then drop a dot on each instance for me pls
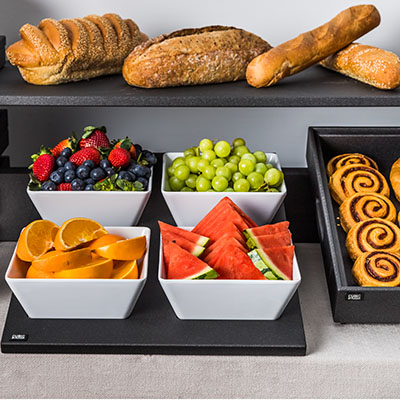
(314, 87)
(153, 327)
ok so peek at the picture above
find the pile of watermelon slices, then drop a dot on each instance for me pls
(227, 244)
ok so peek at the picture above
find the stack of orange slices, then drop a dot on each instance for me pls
(79, 249)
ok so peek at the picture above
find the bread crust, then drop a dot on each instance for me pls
(394, 178)
(211, 54)
(311, 47)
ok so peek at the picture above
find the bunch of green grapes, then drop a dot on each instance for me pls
(221, 167)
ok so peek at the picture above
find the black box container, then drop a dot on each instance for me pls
(350, 303)
(2, 51)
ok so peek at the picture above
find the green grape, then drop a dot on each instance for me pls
(225, 172)
(238, 142)
(261, 168)
(217, 163)
(203, 184)
(246, 167)
(241, 185)
(234, 159)
(191, 181)
(182, 172)
(192, 164)
(186, 189)
(189, 152)
(273, 190)
(219, 183)
(209, 172)
(170, 171)
(249, 156)
(209, 155)
(233, 167)
(236, 176)
(260, 156)
(178, 161)
(222, 148)
(280, 181)
(206, 144)
(269, 166)
(240, 150)
(229, 189)
(273, 177)
(210, 190)
(255, 179)
(201, 164)
(176, 184)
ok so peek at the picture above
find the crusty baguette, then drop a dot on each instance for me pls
(368, 64)
(211, 54)
(311, 47)
(74, 49)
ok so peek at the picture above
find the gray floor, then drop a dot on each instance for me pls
(343, 361)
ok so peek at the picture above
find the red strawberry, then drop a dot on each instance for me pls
(119, 157)
(89, 153)
(70, 142)
(127, 145)
(64, 186)
(43, 164)
(94, 137)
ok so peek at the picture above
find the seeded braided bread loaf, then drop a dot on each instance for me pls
(74, 49)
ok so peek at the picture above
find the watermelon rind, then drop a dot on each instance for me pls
(265, 265)
(198, 250)
(252, 243)
(206, 273)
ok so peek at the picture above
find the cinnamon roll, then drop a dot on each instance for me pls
(377, 268)
(357, 178)
(373, 234)
(349, 158)
(362, 206)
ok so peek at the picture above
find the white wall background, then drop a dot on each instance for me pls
(282, 130)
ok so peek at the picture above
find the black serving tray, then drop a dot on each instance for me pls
(2, 51)
(153, 327)
(350, 303)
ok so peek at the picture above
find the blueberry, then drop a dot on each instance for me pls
(89, 187)
(70, 165)
(143, 181)
(138, 149)
(147, 172)
(152, 159)
(133, 176)
(49, 185)
(77, 184)
(139, 170)
(56, 177)
(67, 153)
(61, 170)
(69, 176)
(60, 161)
(105, 164)
(89, 164)
(132, 166)
(90, 181)
(83, 172)
(97, 174)
(110, 171)
(125, 175)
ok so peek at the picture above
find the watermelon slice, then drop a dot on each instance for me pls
(180, 264)
(266, 229)
(193, 248)
(277, 261)
(278, 239)
(223, 242)
(193, 237)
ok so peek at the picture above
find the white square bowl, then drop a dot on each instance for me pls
(114, 208)
(79, 298)
(225, 299)
(189, 208)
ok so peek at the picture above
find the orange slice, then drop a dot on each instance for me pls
(57, 260)
(36, 274)
(105, 240)
(36, 239)
(129, 249)
(97, 269)
(77, 231)
(125, 270)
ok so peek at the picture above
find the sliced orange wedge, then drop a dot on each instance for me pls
(97, 269)
(105, 240)
(36, 274)
(129, 249)
(77, 231)
(36, 239)
(125, 270)
(57, 260)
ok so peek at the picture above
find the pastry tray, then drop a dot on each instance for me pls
(2, 51)
(350, 303)
(153, 327)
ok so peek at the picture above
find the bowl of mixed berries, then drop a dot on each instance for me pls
(92, 177)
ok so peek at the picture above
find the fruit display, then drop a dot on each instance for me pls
(227, 244)
(92, 163)
(220, 167)
(79, 249)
